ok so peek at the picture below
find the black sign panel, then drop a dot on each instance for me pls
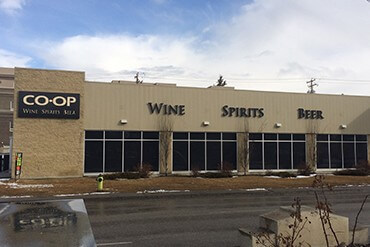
(48, 105)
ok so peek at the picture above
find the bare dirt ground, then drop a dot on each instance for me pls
(49, 187)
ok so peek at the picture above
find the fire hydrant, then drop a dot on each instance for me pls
(100, 181)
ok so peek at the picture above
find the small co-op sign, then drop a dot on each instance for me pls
(48, 105)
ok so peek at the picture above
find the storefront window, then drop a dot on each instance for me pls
(203, 151)
(269, 151)
(341, 151)
(117, 151)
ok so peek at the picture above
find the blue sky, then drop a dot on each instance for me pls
(274, 45)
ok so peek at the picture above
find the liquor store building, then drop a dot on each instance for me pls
(65, 126)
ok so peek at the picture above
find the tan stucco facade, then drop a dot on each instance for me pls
(55, 147)
(50, 147)
(115, 101)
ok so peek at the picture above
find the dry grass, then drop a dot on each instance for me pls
(88, 184)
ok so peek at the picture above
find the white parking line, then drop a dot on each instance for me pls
(116, 243)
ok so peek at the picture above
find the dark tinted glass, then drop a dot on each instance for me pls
(180, 156)
(229, 154)
(180, 135)
(335, 138)
(255, 153)
(336, 155)
(270, 155)
(197, 136)
(348, 137)
(285, 155)
(213, 155)
(322, 155)
(151, 154)
(93, 156)
(299, 155)
(93, 134)
(213, 136)
(349, 155)
(322, 137)
(132, 135)
(132, 155)
(255, 136)
(197, 155)
(299, 137)
(285, 136)
(113, 156)
(4, 163)
(361, 152)
(229, 136)
(113, 134)
(361, 138)
(270, 136)
(150, 135)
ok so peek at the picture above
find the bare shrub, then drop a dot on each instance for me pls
(144, 170)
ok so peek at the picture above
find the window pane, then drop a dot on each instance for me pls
(285, 155)
(93, 134)
(285, 136)
(151, 154)
(322, 137)
(299, 155)
(213, 136)
(132, 135)
(94, 156)
(299, 137)
(213, 155)
(229, 154)
(180, 156)
(348, 137)
(349, 155)
(335, 138)
(336, 155)
(255, 153)
(113, 134)
(322, 155)
(361, 138)
(150, 135)
(361, 152)
(270, 155)
(197, 155)
(197, 136)
(180, 135)
(132, 155)
(113, 156)
(229, 136)
(270, 136)
(255, 136)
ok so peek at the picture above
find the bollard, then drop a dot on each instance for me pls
(100, 181)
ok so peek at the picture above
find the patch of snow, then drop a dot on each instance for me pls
(160, 191)
(272, 177)
(83, 194)
(256, 189)
(7, 197)
(21, 186)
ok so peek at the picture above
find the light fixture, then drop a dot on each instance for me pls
(123, 121)
(205, 123)
(343, 126)
(278, 125)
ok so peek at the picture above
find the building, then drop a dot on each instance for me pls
(6, 118)
(65, 126)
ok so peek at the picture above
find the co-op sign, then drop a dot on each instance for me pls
(48, 105)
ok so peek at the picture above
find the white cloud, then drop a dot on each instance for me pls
(11, 6)
(9, 59)
(267, 39)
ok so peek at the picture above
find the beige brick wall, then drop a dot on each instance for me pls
(50, 147)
